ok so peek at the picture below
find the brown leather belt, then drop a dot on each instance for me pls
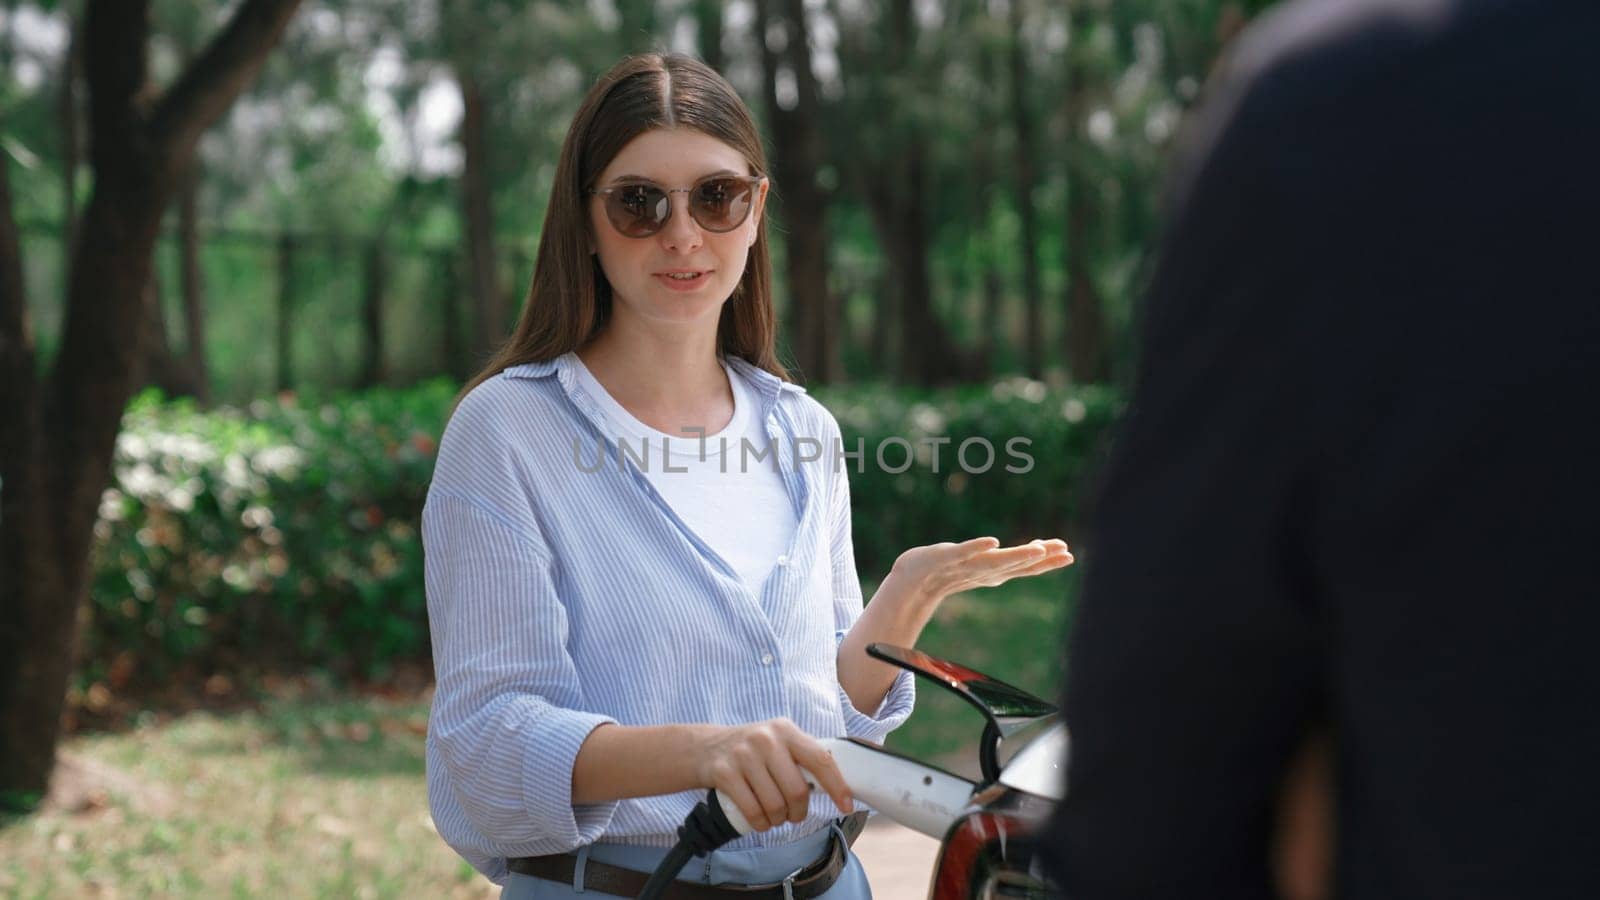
(808, 882)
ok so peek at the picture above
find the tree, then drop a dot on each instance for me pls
(1026, 174)
(56, 442)
(888, 135)
(160, 366)
(802, 205)
(1087, 358)
(67, 113)
(477, 213)
(708, 30)
(517, 67)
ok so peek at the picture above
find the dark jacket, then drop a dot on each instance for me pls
(1359, 480)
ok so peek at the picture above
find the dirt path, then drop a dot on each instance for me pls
(899, 861)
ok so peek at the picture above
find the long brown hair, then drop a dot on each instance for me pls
(569, 301)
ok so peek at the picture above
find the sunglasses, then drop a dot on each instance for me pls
(717, 203)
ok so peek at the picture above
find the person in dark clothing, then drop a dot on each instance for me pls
(1357, 491)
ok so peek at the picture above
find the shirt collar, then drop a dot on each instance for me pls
(768, 386)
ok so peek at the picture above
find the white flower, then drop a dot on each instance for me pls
(181, 498)
(283, 460)
(142, 481)
(111, 505)
(1102, 126)
(236, 472)
(131, 445)
(187, 447)
(1018, 386)
(256, 517)
(236, 577)
(927, 419)
(139, 580)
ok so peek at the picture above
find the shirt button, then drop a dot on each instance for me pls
(766, 659)
(783, 560)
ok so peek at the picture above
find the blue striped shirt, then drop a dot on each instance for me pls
(564, 593)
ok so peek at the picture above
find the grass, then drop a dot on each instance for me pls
(306, 798)
(324, 796)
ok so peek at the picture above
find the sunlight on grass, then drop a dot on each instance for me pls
(304, 799)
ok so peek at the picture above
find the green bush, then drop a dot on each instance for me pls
(286, 534)
(892, 511)
(282, 534)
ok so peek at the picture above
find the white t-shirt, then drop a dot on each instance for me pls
(736, 504)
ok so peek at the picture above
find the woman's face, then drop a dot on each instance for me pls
(639, 269)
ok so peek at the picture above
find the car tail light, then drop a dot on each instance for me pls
(989, 854)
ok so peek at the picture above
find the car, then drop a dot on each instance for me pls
(990, 850)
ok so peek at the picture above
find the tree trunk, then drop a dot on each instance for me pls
(28, 582)
(929, 355)
(809, 267)
(158, 366)
(885, 316)
(1087, 359)
(991, 304)
(895, 190)
(67, 119)
(777, 197)
(708, 23)
(1025, 176)
(189, 273)
(899, 214)
(797, 137)
(285, 345)
(451, 345)
(993, 310)
(373, 370)
(56, 441)
(478, 212)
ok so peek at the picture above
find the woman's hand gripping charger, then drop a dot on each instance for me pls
(918, 796)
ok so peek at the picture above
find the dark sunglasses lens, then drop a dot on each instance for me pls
(721, 204)
(637, 210)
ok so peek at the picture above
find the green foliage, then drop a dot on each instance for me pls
(286, 533)
(346, 137)
(945, 496)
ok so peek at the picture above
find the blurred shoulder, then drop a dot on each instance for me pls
(1339, 49)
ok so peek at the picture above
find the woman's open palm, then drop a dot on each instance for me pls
(939, 570)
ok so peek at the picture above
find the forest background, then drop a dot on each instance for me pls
(214, 459)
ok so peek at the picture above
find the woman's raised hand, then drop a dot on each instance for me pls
(936, 571)
(758, 768)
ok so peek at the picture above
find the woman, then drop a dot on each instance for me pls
(624, 614)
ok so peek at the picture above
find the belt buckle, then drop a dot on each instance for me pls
(788, 882)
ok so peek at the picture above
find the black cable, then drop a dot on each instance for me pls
(670, 866)
(705, 829)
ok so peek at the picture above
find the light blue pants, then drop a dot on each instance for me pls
(760, 866)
